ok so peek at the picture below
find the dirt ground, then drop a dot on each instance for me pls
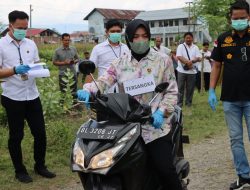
(211, 164)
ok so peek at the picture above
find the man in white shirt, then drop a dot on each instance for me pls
(188, 55)
(162, 49)
(206, 68)
(106, 52)
(20, 96)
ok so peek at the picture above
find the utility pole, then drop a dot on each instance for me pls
(189, 14)
(31, 16)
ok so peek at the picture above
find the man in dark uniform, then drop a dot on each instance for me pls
(233, 48)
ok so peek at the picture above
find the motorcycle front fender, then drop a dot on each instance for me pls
(92, 181)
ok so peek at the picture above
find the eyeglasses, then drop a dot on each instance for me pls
(244, 52)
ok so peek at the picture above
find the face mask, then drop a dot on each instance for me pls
(19, 34)
(115, 37)
(139, 47)
(240, 24)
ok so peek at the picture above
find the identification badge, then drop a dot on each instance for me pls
(139, 86)
(24, 77)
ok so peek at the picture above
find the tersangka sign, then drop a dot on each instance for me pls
(139, 86)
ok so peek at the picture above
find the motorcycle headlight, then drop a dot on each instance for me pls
(106, 158)
(78, 155)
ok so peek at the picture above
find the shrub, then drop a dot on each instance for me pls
(50, 97)
(67, 96)
(3, 117)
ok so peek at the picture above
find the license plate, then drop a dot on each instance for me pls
(107, 133)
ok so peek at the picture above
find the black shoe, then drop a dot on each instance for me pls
(44, 172)
(24, 177)
(240, 183)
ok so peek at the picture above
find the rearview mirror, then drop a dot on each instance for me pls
(161, 87)
(86, 67)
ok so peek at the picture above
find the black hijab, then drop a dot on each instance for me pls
(129, 35)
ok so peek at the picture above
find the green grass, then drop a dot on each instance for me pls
(200, 121)
(60, 135)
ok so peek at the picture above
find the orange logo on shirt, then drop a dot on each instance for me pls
(149, 70)
(229, 56)
(228, 40)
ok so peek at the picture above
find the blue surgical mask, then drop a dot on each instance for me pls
(115, 37)
(240, 24)
(19, 34)
(139, 47)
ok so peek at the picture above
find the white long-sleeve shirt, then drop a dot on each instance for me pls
(104, 54)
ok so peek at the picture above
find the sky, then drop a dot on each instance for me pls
(67, 15)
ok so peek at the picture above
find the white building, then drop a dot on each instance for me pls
(97, 19)
(172, 23)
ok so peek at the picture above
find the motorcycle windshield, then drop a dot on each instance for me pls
(124, 106)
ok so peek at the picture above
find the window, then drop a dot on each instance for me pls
(152, 24)
(185, 22)
(171, 22)
(171, 41)
(160, 24)
(166, 42)
(176, 22)
(165, 22)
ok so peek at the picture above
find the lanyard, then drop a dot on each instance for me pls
(19, 52)
(114, 51)
(24, 77)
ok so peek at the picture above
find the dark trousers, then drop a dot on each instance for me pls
(17, 112)
(63, 85)
(176, 75)
(206, 81)
(186, 82)
(160, 154)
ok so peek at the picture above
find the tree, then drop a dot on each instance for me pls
(2, 28)
(215, 14)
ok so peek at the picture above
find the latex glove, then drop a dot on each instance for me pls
(212, 100)
(21, 69)
(158, 119)
(83, 95)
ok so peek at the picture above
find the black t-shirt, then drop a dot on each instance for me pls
(234, 52)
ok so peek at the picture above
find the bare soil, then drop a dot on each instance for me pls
(211, 163)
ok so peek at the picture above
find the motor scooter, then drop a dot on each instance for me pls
(109, 152)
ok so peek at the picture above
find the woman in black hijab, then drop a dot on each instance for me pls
(141, 49)
(145, 63)
(160, 150)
